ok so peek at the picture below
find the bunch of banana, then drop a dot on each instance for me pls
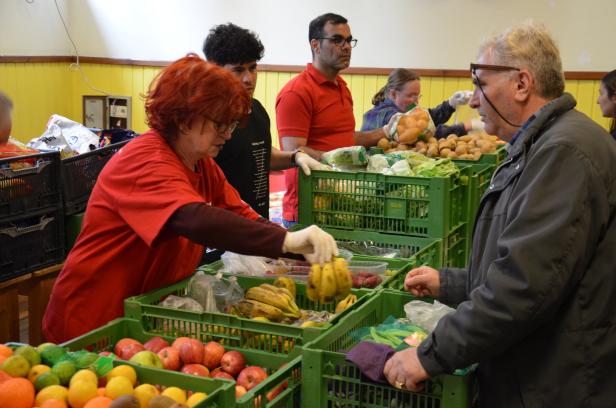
(275, 297)
(331, 281)
(346, 303)
(287, 283)
(254, 308)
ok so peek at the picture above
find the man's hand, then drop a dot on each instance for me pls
(460, 98)
(423, 281)
(307, 163)
(404, 370)
(315, 244)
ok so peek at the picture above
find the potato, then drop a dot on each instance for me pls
(393, 143)
(409, 136)
(477, 155)
(423, 150)
(461, 149)
(445, 152)
(432, 150)
(420, 143)
(465, 138)
(432, 140)
(422, 124)
(453, 137)
(383, 144)
(452, 155)
(402, 147)
(487, 148)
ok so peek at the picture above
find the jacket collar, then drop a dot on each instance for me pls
(546, 114)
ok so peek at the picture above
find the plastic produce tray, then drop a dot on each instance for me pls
(79, 174)
(236, 331)
(331, 381)
(31, 243)
(221, 393)
(29, 184)
(419, 206)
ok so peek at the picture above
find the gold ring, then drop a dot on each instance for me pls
(399, 385)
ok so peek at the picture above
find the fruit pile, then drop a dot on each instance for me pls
(363, 279)
(51, 377)
(274, 303)
(190, 356)
(329, 282)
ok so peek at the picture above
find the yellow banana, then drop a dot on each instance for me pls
(343, 277)
(346, 303)
(327, 291)
(275, 299)
(314, 282)
(253, 308)
(285, 294)
(287, 283)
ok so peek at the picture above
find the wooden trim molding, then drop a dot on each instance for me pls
(447, 73)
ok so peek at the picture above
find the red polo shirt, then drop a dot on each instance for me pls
(319, 110)
(123, 249)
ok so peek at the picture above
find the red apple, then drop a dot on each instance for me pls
(274, 393)
(123, 343)
(239, 391)
(156, 344)
(212, 353)
(196, 369)
(191, 351)
(233, 362)
(130, 350)
(177, 343)
(251, 376)
(218, 373)
(170, 358)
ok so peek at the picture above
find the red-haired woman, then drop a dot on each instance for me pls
(160, 199)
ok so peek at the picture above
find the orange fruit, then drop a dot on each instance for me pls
(100, 391)
(4, 376)
(19, 391)
(53, 403)
(98, 402)
(5, 351)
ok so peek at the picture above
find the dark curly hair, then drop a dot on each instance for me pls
(230, 44)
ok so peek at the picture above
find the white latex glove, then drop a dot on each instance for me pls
(316, 245)
(307, 163)
(390, 128)
(477, 124)
(460, 98)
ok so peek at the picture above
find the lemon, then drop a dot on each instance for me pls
(80, 392)
(36, 371)
(56, 392)
(176, 394)
(196, 398)
(144, 393)
(118, 386)
(86, 375)
(123, 371)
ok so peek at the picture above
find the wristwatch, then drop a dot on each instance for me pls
(299, 149)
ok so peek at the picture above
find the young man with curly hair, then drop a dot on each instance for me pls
(249, 156)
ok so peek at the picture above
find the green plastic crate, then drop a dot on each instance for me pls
(332, 381)
(394, 265)
(276, 338)
(479, 182)
(455, 247)
(221, 393)
(419, 206)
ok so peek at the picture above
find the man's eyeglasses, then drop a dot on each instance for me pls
(488, 67)
(339, 41)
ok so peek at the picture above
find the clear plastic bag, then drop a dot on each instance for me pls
(184, 303)
(426, 315)
(202, 288)
(352, 155)
(244, 264)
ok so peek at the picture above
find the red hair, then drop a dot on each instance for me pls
(191, 88)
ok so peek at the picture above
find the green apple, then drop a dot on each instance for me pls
(46, 379)
(29, 353)
(147, 358)
(51, 354)
(64, 370)
(16, 366)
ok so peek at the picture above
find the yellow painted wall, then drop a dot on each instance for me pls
(39, 90)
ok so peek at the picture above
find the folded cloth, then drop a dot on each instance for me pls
(370, 358)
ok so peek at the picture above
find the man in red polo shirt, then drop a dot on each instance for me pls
(314, 110)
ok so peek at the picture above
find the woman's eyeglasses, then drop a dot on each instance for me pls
(228, 128)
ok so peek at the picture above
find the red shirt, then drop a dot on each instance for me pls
(312, 107)
(121, 250)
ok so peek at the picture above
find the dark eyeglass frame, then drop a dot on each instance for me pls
(339, 41)
(220, 128)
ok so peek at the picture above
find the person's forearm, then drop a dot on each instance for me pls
(369, 138)
(281, 160)
(290, 144)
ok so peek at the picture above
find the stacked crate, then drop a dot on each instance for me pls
(31, 214)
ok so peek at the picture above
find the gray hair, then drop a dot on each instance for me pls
(530, 46)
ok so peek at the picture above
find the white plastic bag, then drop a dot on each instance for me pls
(202, 288)
(414, 125)
(66, 136)
(244, 264)
(426, 315)
(184, 303)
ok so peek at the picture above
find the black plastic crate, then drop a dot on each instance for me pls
(29, 184)
(31, 243)
(79, 174)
